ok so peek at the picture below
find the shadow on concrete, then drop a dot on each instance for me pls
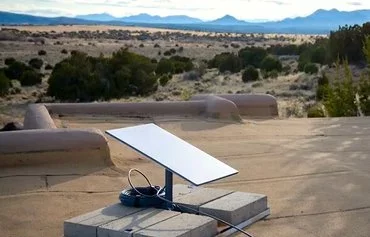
(331, 199)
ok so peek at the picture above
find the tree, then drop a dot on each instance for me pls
(271, 63)
(252, 56)
(9, 61)
(4, 84)
(311, 68)
(250, 74)
(16, 69)
(340, 97)
(30, 78)
(36, 63)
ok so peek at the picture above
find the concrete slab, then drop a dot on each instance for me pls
(184, 225)
(86, 225)
(198, 196)
(236, 207)
(126, 226)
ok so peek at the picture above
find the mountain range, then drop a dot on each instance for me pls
(319, 22)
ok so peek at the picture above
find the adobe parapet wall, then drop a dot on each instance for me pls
(251, 105)
(41, 135)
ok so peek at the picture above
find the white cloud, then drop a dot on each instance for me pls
(204, 9)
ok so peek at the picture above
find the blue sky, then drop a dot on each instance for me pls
(203, 9)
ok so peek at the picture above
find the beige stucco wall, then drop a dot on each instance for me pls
(253, 105)
(50, 140)
(127, 109)
(38, 117)
(41, 135)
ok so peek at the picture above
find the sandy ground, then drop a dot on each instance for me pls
(315, 173)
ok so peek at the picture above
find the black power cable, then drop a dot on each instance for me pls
(178, 205)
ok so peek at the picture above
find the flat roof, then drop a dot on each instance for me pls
(315, 173)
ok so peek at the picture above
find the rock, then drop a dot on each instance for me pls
(12, 126)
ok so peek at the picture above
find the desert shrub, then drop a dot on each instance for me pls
(173, 51)
(319, 55)
(250, 74)
(287, 69)
(279, 49)
(257, 84)
(141, 45)
(252, 56)
(191, 76)
(316, 111)
(235, 45)
(348, 41)
(364, 85)
(163, 80)
(273, 74)
(226, 62)
(186, 94)
(9, 61)
(157, 46)
(36, 63)
(339, 100)
(64, 51)
(4, 84)
(74, 52)
(16, 69)
(167, 53)
(42, 52)
(165, 66)
(271, 63)
(48, 67)
(311, 68)
(364, 95)
(30, 78)
(182, 64)
(181, 49)
(85, 78)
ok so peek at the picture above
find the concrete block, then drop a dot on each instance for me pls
(237, 207)
(86, 225)
(184, 225)
(198, 197)
(126, 226)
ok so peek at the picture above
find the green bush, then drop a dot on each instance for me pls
(16, 69)
(42, 52)
(64, 51)
(271, 63)
(250, 74)
(36, 63)
(340, 97)
(163, 80)
(311, 68)
(364, 95)
(315, 111)
(252, 56)
(4, 84)
(84, 78)
(30, 78)
(226, 62)
(165, 66)
(9, 61)
(167, 53)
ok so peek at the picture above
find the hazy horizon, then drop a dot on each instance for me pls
(252, 10)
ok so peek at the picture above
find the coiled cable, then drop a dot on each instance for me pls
(179, 206)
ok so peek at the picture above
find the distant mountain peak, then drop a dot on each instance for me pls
(227, 20)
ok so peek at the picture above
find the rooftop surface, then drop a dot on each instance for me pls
(315, 172)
